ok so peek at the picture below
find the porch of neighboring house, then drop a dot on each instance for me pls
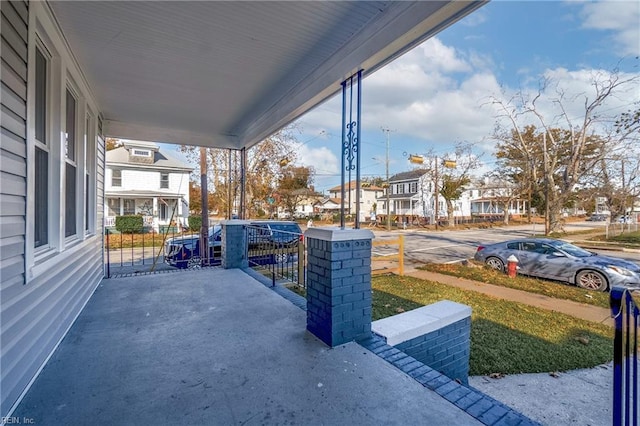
(489, 207)
(159, 213)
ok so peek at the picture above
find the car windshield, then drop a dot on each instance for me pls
(570, 249)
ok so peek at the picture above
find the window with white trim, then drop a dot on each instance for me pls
(90, 158)
(116, 177)
(141, 152)
(62, 166)
(41, 176)
(164, 180)
(70, 175)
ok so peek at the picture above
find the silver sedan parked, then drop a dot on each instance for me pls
(561, 261)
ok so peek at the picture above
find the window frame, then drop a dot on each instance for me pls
(43, 146)
(71, 164)
(119, 177)
(46, 39)
(164, 182)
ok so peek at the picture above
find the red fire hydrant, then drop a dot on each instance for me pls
(512, 266)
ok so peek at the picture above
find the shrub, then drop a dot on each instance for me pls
(129, 224)
(195, 222)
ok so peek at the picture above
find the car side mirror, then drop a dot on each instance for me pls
(557, 254)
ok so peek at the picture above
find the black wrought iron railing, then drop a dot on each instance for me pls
(144, 252)
(279, 255)
(625, 309)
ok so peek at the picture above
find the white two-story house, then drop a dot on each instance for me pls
(368, 197)
(140, 179)
(412, 200)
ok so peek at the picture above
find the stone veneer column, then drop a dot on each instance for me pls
(339, 284)
(234, 244)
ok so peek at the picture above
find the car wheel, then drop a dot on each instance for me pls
(495, 263)
(281, 258)
(591, 280)
(194, 263)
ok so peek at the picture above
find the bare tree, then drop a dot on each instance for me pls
(562, 150)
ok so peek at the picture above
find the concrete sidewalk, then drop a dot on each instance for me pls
(575, 309)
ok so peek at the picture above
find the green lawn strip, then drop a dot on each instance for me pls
(506, 337)
(557, 290)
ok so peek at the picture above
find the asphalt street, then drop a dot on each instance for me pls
(451, 246)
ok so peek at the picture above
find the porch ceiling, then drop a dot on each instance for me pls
(229, 74)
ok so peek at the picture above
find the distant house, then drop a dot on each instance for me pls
(368, 196)
(489, 198)
(140, 179)
(327, 206)
(412, 199)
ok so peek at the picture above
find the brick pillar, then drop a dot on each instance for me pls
(234, 244)
(339, 284)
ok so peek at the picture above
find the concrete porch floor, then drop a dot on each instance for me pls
(216, 347)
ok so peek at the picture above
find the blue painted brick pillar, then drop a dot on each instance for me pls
(339, 284)
(234, 244)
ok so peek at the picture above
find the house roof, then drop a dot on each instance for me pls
(410, 175)
(161, 160)
(324, 201)
(352, 185)
(230, 74)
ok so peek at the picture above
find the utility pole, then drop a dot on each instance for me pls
(435, 195)
(204, 227)
(547, 224)
(387, 131)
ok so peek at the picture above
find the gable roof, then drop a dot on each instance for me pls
(410, 175)
(161, 160)
(352, 185)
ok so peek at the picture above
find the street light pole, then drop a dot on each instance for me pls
(387, 131)
(435, 195)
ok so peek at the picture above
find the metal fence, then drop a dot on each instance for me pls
(279, 255)
(145, 252)
(625, 310)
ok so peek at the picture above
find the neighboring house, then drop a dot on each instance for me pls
(306, 207)
(490, 196)
(143, 180)
(411, 197)
(368, 196)
(327, 206)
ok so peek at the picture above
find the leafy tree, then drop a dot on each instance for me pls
(195, 197)
(111, 143)
(262, 170)
(294, 186)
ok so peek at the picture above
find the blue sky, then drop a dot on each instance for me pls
(437, 94)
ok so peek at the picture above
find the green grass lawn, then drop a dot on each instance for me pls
(548, 288)
(506, 337)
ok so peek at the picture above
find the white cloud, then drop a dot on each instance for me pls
(322, 159)
(437, 95)
(622, 18)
